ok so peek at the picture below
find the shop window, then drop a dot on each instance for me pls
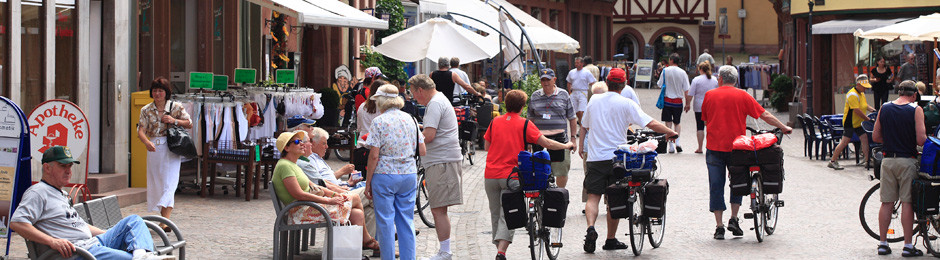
(218, 45)
(669, 43)
(182, 42)
(66, 49)
(32, 88)
(626, 45)
(251, 37)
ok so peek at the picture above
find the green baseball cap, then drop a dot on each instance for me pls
(59, 154)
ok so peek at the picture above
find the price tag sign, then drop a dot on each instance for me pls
(219, 82)
(285, 76)
(200, 80)
(245, 76)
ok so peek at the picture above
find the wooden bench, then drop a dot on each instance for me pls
(104, 213)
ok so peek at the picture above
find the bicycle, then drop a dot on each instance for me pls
(925, 226)
(765, 208)
(541, 238)
(643, 226)
(423, 210)
(468, 127)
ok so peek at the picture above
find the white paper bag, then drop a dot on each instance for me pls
(347, 243)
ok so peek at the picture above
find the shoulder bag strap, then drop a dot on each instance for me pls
(417, 140)
(525, 128)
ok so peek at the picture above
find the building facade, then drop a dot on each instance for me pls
(655, 29)
(587, 21)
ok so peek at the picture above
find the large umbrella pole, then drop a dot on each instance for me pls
(501, 35)
(524, 34)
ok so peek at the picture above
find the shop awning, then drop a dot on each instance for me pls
(849, 26)
(326, 12)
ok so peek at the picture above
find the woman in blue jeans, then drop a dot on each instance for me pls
(393, 142)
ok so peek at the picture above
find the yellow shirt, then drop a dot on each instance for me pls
(854, 100)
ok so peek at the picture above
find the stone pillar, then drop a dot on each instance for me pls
(117, 34)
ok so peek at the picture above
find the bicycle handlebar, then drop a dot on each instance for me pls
(776, 131)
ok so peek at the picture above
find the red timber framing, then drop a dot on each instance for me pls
(660, 10)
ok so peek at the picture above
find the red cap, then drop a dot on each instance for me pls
(617, 75)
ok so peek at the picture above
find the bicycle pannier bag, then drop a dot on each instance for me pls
(930, 157)
(654, 198)
(770, 155)
(772, 178)
(555, 207)
(739, 179)
(618, 196)
(742, 158)
(514, 209)
(468, 130)
(925, 197)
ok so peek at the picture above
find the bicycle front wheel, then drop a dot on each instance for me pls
(759, 209)
(657, 229)
(637, 232)
(868, 215)
(929, 231)
(422, 206)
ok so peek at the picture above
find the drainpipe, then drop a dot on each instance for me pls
(809, 61)
(742, 28)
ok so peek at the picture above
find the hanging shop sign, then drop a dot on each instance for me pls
(245, 76)
(200, 80)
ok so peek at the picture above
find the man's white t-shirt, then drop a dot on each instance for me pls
(607, 117)
(628, 92)
(458, 89)
(580, 79)
(677, 82)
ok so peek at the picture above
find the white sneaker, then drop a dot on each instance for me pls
(441, 255)
(671, 147)
(154, 256)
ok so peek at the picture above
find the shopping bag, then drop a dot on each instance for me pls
(347, 243)
(661, 102)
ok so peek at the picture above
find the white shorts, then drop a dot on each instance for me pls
(579, 100)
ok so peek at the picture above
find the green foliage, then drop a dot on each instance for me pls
(528, 85)
(392, 68)
(782, 86)
(330, 98)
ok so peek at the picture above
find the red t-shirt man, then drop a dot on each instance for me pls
(505, 137)
(725, 111)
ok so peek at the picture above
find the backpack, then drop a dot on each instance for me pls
(930, 157)
(931, 116)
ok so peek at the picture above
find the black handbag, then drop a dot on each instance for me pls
(179, 141)
(360, 158)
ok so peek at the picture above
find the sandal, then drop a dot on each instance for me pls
(884, 250)
(371, 245)
(910, 251)
(166, 228)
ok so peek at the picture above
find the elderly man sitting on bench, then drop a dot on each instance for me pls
(45, 216)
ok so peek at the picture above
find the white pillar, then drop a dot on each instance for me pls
(84, 36)
(16, 46)
(48, 54)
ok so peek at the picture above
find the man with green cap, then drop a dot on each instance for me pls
(45, 216)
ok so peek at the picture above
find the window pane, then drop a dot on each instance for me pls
(33, 89)
(66, 51)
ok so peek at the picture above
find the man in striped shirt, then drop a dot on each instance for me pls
(550, 109)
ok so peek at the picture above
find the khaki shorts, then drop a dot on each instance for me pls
(896, 177)
(443, 181)
(560, 169)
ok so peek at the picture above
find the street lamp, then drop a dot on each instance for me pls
(809, 61)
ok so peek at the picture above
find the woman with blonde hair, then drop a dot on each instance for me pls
(394, 143)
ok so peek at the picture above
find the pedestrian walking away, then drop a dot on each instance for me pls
(502, 156)
(163, 166)
(856, 111)
(443, 161)
(706, 57)
(579, 84)
(900, 128)
(725, 123)
(676, 82)
(45, 216)
(605, 127)
(700, 85)
(446, 80)
(395, 144)
(455, 68)
(551, 110)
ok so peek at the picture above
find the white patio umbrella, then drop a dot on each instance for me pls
(510, 51)
(437, 38)
(923, 28)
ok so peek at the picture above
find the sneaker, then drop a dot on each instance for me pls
(835, 165)
(614, 244)
(500, 257)
(734, 227)
(671, 147)
(911, 251)
(590, 240)
(720, 233)
(154, 256)
(884, 250)
(678, 149)
(441, 255)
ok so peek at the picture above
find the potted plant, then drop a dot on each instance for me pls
(782, 87)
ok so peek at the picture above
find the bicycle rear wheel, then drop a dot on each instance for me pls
(552, 241)
(759, 209)
(637, 232)
(772, 210)
(534, 230)
(342, 154)
(424, 210)
(471, 151)
(657, 229)
(931, 234)
(868, 215)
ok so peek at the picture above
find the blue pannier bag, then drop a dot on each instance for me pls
(930, 157)
(534, 170)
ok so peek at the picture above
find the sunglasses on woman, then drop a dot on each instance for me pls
(298, 141)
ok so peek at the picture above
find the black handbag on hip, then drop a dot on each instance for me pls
(179, 141)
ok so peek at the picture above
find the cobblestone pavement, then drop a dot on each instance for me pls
(820, 219)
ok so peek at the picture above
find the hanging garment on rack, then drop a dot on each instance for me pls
(242, 120)
(226, 140)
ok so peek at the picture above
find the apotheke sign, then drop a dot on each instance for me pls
(58, 122)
